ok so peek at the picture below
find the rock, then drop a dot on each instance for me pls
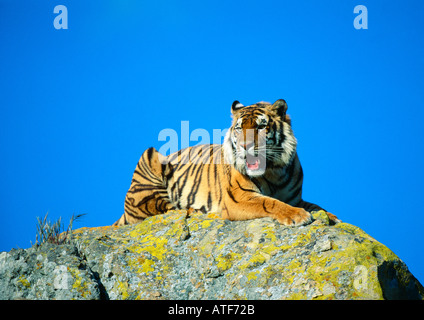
(49, 272)
(173, 256)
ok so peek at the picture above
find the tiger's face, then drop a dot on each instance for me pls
(260, 137)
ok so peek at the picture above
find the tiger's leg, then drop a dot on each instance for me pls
(308, 206)
(147, 195)
(252, 205)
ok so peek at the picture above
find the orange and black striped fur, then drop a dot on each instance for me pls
(256, 173)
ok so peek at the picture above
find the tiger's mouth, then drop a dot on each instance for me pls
(252, 165)
(255, 165)
(252, 162)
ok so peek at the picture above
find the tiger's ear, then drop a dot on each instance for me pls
(281, 107)
(236, 106)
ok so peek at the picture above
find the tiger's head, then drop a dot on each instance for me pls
(260, 137)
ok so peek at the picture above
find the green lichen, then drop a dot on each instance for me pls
(252, 275)
(255, 260)
(226, 261)
(352, 259)
(321, 216)
(23, 282)
(206, 224)
(296, 296)
(80, 284)
(178, 257)
(122, 288)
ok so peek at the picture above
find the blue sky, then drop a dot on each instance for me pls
(79, 106)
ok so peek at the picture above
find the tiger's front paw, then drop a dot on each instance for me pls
(295, 217)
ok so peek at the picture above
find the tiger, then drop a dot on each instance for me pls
(255, 173)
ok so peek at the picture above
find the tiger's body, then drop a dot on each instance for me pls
(256, 173)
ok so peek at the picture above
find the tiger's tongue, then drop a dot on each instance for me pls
(253, 166)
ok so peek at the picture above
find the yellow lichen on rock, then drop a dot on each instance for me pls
(202, 256)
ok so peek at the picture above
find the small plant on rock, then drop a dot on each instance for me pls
(54, 232)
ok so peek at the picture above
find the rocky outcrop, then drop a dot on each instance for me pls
(173, 256)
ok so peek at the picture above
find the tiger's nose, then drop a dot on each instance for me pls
(247, 145)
